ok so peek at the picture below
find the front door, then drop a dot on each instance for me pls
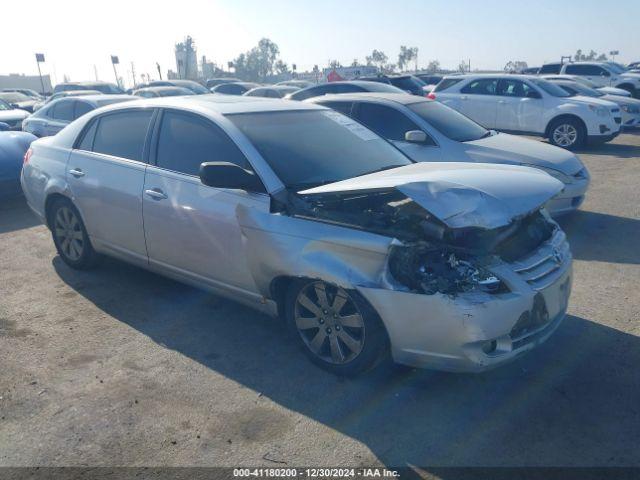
(191, 229)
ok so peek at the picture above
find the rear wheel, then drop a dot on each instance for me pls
(338, 330)
(567, 133)
(70, 236)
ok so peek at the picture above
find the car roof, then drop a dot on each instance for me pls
(401, 98)
(161, 88)
(520, 76)
(220, 104)
(97, 99)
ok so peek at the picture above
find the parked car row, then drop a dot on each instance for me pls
(530, 105)
(297, 210)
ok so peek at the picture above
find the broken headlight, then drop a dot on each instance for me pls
(430, 271)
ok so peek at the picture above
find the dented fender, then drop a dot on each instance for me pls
(279, 245)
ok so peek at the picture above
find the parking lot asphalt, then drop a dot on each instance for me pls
(118, 366)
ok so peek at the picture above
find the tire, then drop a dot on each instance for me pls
(70, 235)
(337, 329)
(567, 133)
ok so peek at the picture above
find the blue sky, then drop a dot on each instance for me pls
(76, 37)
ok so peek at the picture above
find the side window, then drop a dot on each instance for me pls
(63, 110)
(550, 68)
(481, 86)
(342, 107)
(82, 108)
(123, 134)
(185, 141)
(385, 121)
(513, 88)
(601, 71)
(87, 139)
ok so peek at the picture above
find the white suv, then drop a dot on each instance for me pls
(603, 74)
(530, 105)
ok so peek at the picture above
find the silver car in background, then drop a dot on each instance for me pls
(429, 131)
(299, 211)
(56, 115)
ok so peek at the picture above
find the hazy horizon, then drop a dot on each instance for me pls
(78, 37)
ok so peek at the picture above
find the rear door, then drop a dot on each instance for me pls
(191, 229)
(516, 111)
(106, 175)
(479, 102)
(392, 124)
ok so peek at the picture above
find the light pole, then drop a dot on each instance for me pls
(613, 54)
(115, 61)
(40, 58)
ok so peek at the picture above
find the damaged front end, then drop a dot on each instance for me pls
(427, 256)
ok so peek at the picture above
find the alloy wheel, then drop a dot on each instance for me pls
(68, 233)
(329, 322)
(565, 135)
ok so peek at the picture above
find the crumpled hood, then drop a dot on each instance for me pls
(509, 149)
(460, 194)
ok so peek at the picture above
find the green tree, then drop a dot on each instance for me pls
(433, 66)
(406, 55)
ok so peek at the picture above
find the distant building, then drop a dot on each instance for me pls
(186, 59)
(348, 73)
(15, 80)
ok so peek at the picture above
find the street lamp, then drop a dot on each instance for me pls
(115, 61)
(39, 59)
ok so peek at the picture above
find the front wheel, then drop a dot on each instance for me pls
(337, 329)
(567, 133)
(70, 235)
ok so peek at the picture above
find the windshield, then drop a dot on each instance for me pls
(586, 91)
(407, 83)
(14, 97)
(310, 148)
(616, 68)
(449, 122)
(4, 105)
(550, 88)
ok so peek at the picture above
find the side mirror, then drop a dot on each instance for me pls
(4, 127)
(415, 136)
(533, 94)
(14, 105)
(229, 175)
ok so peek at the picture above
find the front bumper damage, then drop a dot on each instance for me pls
(478, 331)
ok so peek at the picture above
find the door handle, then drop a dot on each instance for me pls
(76, 172)
(464, 97)
(501, 102)
(156, 194)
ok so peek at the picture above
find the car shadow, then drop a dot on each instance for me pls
(602, 237)
(576, 397)
(15, 214)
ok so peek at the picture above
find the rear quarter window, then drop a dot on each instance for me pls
(446, 83)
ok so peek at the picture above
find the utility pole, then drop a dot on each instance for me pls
(133, 74)
(40, 58)
(159, 71)
(469, 65)
(95, 71)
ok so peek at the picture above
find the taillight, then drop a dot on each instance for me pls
(431, 95)
(27, 156)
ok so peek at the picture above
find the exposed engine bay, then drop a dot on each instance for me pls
(430, 256)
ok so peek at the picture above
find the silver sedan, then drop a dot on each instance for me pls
(298, 211)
